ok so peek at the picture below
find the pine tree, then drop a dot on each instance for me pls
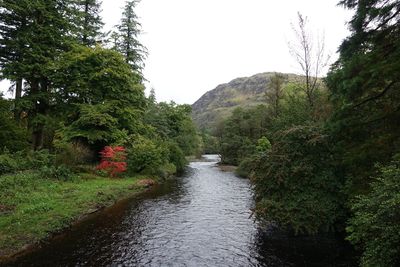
(33, 34)
(129, 31)
(12, 45)
(87, 21)
(274, 94)
(365, 86)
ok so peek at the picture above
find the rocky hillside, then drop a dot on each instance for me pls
(221, 101)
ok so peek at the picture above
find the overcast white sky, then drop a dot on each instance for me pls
(195, 45)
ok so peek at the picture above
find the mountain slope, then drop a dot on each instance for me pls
(241, 92)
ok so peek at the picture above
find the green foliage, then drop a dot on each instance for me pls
(364, 85)
(247, 166)
(240, 133)
(38, 207)
(146, 156)
(375, 225)
(86, 21)
(365, 90)
(61, 173)
(106, 99)
(296, 185)
(166, 170)
(172, 122)
(209, 143)
(260, 89)
(177, 157)
(75, 97)
(126, 39)
(9, 128)
(7, 164)
(294, 109)
(35, 160)
(95, 125)
(73, 154)
(25, 160)
(33, 34)
(275, 93)
(91, 75)
(263, 145)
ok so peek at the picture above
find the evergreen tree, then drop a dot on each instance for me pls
(365, 88)
(129, 31)
(98, 95)
(274, 94)
(87, 21)
(33, 34)
(13, 28)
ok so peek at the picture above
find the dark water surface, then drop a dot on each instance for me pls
(201, 219)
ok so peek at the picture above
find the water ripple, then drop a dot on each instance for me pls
(201, 219)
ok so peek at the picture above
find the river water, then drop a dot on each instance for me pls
(200, 219)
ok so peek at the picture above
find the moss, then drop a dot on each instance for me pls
(34, 208)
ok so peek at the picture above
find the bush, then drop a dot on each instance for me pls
(61, 173)
(145, 156)
(73, 154)
(112, 160)
(166, 170)
(247, 167)
(12, 136)
(35, 160)
(7, 164)
(177, 158)
(22, 160)
(375, 225)
(295, 182)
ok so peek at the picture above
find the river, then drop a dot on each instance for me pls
(200, 219)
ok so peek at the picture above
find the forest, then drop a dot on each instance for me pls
(79, 115)
(323, 154)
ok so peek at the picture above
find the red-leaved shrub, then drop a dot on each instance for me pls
(112, 160)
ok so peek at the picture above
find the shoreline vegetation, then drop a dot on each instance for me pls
(79, 118)
(322, 153)
(34, 214)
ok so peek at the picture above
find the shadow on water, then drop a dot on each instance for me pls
(200, 219)
(281, 249)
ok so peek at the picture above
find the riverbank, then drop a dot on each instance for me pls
(33, 209)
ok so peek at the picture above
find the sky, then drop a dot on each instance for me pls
(195, 45)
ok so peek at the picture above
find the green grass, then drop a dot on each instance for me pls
(32, 208)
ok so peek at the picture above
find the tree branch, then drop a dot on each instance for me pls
(376, 96)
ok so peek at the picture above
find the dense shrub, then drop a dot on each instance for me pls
(166, 170)
(25, 160)
(73, 154)
(12, 136)
(36, 159)
(238, 135)
(375, 225)
(62, 173)
(295, 182)
(177, 157)
(113, 161)
(247, 166)
(145, 156)
(8, 164)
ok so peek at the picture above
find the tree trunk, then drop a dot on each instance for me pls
(41, 110)
(18, 94)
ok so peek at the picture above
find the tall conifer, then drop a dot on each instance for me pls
(87, 21)
(129, 30)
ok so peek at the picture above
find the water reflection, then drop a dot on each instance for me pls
(201, 219)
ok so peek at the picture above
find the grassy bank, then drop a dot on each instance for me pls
(33, 208)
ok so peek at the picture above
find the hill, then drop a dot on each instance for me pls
(241, 92)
